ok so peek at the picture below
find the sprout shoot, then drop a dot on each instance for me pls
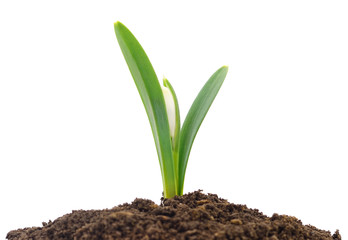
(173, 142)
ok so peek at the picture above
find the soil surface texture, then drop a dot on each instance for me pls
(190, 217)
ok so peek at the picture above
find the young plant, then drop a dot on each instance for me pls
(173, 143)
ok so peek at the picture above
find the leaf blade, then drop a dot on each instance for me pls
(194, 119)
(151, 94)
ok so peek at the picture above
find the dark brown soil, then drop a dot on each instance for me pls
(192, 216)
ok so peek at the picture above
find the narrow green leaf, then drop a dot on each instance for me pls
(151, 94)
(194, 119)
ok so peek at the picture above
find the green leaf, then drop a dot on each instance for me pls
(151, 94)
(194, 119)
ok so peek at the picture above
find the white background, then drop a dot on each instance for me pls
(74, 133)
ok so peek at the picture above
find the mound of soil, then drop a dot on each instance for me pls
(190, 217)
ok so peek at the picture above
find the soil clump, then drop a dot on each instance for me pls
(193, 216)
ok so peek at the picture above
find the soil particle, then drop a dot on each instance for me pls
(193, 216)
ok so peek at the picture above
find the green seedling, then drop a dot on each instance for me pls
(173, 142)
